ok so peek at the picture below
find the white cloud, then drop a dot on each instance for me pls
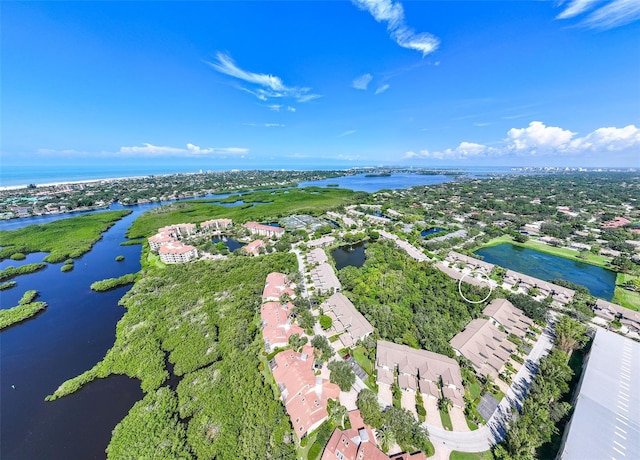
(268, 86)
(348, 133)
(606, 15)
(540, 140)
(575, 8)
(291, 109)
(481, 124)
(362, 82)
(275, 107)
(382, 88)
(393, 14)
(537, 135)
(274, 125)
(191, 150)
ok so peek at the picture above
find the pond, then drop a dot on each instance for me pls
(600, 282)
(230, 243)
(349, 255)
(431, 231)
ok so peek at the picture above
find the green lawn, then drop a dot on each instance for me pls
(446, 420)
(474, 390)
(589, 258)
(361, 358)
(626, 298)
(456, 455)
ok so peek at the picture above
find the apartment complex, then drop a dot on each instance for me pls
(503, 313)
(216, 225)
(264, 230)
(177, 253)
(347, 321)
(276, 286)
(419, 370)
(276, 324)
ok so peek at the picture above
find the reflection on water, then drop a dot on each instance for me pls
(349, 255)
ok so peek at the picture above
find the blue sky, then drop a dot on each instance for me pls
(219, 85)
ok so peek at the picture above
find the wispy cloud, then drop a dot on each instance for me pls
(603, 15)
(382, 88)
(266, 86)
(348, 133)
(266, 125)
(362, 82)
(392, 13)
(538, 140)
(481, 124)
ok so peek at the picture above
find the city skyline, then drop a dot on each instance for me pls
(308, 84)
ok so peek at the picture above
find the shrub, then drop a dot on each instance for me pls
(119, 258)
(325, 322)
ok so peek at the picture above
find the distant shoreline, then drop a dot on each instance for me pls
(84, 181)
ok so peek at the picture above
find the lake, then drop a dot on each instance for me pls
(230, 243)
(431, 231)
(349, 255)
(600, 282)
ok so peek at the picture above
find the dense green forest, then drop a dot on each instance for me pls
(269, 205)
(409, 302)
(62, 238)
(204, 317)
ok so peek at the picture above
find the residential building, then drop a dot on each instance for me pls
(317, 256)
(276, 324)
(158, 240)
(304, 394)
(524, 282)
(264, 230)
(419, 370)
(616, 222)
(484, 345)
(503, 313)
(469, 262)
(324, 241)
(324, 279)
(253, 248)
(346, 320)
(176, 253)
(216, 225)
(277, 285)
(359, 443)
(611, 311)
(606, 416)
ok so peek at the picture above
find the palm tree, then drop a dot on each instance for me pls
(444, 404)
(386, 437)
(338, 413)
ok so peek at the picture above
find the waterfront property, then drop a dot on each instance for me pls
(524, 283)
(303, 393)
(419, 369)
(503, 313)
(485, 346)
(473, 264)
(347, 221)
(359, 443)
(317, 256)
(264, 230)
(606, 417)
(167, 244)
(276, 324)
(277, 285)
(608, 311)
(347, 321)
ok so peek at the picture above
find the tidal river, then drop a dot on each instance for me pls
(69, 337)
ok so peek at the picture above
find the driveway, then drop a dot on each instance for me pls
(458, 419)
(433, 414)
(384, 394)
(408, 402)
(485, 437)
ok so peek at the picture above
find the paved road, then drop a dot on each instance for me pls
(493, 432)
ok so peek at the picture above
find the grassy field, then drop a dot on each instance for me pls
(278, 203)
(589, 258)
(456, 455)
(62, 239)
(626, 298)
(362, 360)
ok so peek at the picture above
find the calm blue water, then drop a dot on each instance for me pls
(231, 244)
(69, 337)
(431, 231)
(350, 255)
(600, 282)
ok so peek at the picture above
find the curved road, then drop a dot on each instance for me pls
(494, 431)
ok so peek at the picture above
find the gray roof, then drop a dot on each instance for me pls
(606, 420)
(347, 318)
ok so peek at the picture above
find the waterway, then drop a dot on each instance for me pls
(69, 337)
(600, 282)
(350, 255)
